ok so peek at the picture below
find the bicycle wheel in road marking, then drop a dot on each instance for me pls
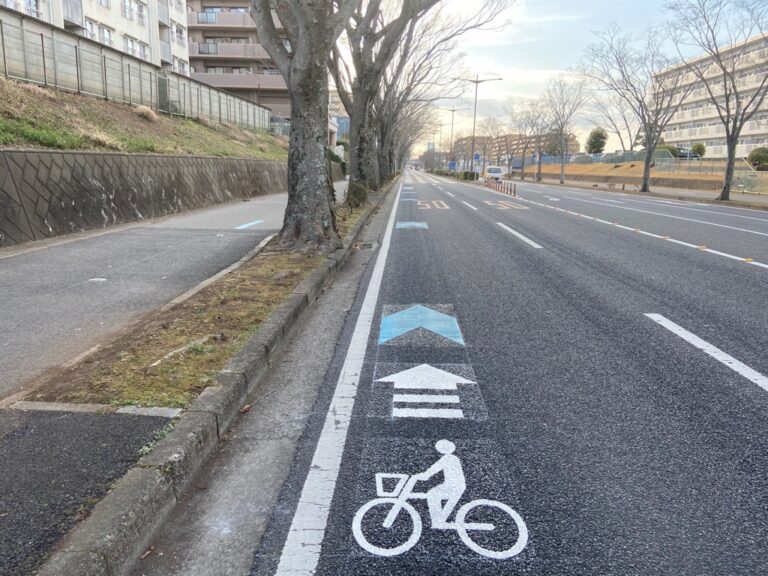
(358, 528)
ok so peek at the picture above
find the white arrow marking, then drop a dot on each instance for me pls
(451, 413)
(426, 398)
(425, 377)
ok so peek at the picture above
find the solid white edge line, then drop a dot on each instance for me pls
(470, 205)
(301, 551)
(516, 233)
(726, 359)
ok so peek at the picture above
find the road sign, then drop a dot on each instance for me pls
(452, 165)
(477, 157)
(416, 317)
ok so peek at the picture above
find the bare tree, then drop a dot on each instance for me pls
(531, 125)
(311, 28)
(422, 72)
(731, 71)
(564, 98)
(619, 119)
(373, 34)
(631, 70)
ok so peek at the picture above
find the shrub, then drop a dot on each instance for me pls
(699, 149)
(357, 195)
(758, 157)
(139, 145)
(674, 150)
(147, 113)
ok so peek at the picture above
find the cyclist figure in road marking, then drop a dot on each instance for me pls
(407, 532)
(452, 488)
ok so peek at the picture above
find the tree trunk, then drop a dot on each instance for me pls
(645, 184)
(363, 159)
(538, 165)
(310, 218)
(730, 168)
(562, 158)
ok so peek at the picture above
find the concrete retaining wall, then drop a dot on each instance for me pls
(45, 193)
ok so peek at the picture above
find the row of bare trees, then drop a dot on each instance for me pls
(640, 87)
(390, 61)
(633, 86)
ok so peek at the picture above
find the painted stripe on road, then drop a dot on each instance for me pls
(470, 205)
(426, 399)
(449, 413)
(700, 248)
(450, 194)
(675, 217)
(516, 233)
(248, 225)
(301, 551)
(716, 353)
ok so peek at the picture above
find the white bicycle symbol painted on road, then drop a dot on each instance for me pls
(442, 500)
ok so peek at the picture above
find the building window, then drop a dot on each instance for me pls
(143, 51)
(90, 29)
(103, 3)
(141, 13)
(105, 35)
(179, 33)
(126, 9)
(129, 45)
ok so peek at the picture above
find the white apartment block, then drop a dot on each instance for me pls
(698, 121)
(153, 30)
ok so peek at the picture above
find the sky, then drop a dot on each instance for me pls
(542, 39)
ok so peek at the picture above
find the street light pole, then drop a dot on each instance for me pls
(452, 111)
(477, 83)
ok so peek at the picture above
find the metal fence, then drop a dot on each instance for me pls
(33, 51)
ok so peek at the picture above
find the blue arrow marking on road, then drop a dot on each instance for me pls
(410, 225)
(419, 316)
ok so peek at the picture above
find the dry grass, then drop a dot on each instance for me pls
(35, 117)
(147, 113)
(210, 328)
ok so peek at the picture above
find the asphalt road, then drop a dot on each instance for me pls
(577, 379)
(61, 298)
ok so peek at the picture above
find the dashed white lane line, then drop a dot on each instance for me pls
(701, 248)
(683, 206)
(726, 359)
(470, 205)
(518, 235)
(301, 551)
(676, 217)
(450, 194)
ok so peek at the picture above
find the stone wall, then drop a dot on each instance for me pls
(46, 193)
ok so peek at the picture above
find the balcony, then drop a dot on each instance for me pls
(27, 7)
(219, 20)
(241, 81)
(227, 51)
(163, 13)
(72, 11)
(165, 53)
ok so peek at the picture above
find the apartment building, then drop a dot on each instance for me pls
(698, 121)
(153, 30)
(224, 52)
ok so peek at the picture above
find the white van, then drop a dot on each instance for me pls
(494, 173)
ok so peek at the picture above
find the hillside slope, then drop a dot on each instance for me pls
(36, 117)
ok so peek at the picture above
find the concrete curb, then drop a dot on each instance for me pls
(122, 525)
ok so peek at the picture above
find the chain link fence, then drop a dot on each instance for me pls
(32, 51)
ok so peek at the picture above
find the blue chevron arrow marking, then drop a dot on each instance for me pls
(419, 316)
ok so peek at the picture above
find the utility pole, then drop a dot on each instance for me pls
(453, 111)
(477, 83)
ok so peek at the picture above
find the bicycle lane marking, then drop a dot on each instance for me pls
(302, 547)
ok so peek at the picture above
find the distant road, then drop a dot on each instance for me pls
(60, 300)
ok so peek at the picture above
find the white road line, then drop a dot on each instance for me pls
(426, 398)
(248, 225)
(301, 551)
(516, 233)
(470, 205)
(448, 413)
(676, 217)
(739, 367)
(451, 195)
(658, 236)
(684, 207)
